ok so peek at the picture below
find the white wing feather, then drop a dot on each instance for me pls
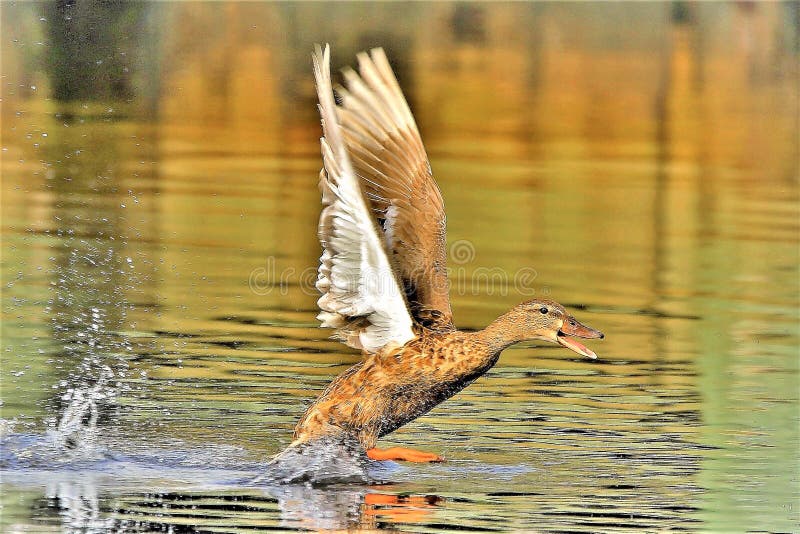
(360, 292)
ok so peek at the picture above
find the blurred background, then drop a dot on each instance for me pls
(638, 160)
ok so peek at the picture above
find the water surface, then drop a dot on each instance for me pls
(159, 252)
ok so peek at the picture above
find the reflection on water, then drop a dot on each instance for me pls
(639, 160)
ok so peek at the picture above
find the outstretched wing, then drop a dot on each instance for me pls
(389, 159)
(361, 295)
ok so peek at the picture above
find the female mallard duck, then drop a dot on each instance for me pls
(382, 272)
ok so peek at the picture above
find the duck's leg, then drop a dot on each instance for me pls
(403, 454)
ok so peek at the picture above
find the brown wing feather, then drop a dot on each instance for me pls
(389, 159)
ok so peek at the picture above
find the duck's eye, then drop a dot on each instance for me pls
(543, 310)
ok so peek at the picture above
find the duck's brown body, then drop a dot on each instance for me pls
(400, 383)
(396, 385)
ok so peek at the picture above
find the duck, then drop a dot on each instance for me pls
(383, 272)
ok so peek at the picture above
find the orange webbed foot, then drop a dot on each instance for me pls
(404, 455)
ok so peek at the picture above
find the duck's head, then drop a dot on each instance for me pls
(549, 321)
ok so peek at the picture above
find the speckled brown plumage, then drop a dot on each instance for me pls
(400, 383)
(396, 385)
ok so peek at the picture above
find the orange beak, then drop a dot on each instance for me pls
(572, 327)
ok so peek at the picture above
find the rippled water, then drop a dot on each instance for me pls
(158, 253)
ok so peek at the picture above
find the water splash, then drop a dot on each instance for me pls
(77, 429)
(319, 462)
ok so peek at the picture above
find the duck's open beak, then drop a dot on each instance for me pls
(572, 327)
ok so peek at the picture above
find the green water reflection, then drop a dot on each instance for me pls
(640, 161)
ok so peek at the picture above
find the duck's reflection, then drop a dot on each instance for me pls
(350, 507)
(313, 508)
(400, 508)
(80, 503)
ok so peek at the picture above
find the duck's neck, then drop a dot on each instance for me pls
(503, 332)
